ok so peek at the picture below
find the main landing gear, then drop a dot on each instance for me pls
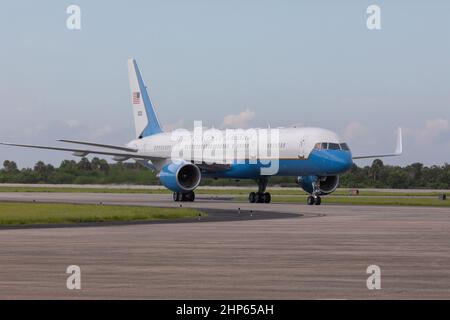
(314, 199)
(257, 197)
(187, 196)
(261, 196)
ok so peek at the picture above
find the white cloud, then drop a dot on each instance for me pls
(174, 125)
(296, 125)
(35, 130)
(238, 120)
(435, 130)
(72, 123)
(355, 130)
(102, 131)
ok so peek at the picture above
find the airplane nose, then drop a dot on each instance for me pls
(340, 161)
(346, 161)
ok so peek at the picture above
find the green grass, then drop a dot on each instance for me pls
(341, 196)
(338, 192)
(82, 190)
(361, 200)
(14, 213)
(218, 191)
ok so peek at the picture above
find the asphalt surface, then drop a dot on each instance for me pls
(309, 252)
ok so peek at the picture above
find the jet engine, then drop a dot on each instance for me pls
(180, 176)
(323, 185)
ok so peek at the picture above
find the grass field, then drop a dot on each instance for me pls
(81, 189)
(361, 200)
(12, 213)
(340, 196)
(212, 191)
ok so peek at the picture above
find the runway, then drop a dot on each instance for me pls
(316, 252)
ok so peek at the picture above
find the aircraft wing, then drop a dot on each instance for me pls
(398, 149)
(118, 156)
(108, 146)
(141, 158)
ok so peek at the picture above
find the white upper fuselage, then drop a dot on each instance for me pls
(294, 143)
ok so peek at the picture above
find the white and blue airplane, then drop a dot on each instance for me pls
(315, 156)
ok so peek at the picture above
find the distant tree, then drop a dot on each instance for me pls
(68, 166)
(104, 166)
(10, 166)
(377, 175)
(40, 168)
(416, 170)
(95, 163)
(84, 164)
(375, 169)
(43, 171)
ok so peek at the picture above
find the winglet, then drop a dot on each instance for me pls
(399, 148)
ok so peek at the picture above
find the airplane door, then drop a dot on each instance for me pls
(302, 149)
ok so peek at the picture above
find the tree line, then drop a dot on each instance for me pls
(99, 171)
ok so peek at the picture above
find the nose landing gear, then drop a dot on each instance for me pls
(314, 199)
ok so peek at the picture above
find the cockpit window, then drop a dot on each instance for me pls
(334, 146)
(331, 146)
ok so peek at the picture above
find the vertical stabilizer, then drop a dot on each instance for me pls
(145, 120)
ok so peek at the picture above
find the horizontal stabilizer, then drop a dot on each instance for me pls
(83, 152)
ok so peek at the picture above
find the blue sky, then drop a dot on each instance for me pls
(248, 63)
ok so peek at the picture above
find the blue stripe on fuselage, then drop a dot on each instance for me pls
(319, 163)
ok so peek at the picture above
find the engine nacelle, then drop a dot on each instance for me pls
(324, 185)
(180, 176)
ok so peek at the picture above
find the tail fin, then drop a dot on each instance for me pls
(145, 120)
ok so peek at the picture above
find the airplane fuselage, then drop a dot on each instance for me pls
(301, 151)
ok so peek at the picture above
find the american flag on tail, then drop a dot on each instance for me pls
(136, 97)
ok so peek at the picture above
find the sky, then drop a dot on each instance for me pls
(228, 64)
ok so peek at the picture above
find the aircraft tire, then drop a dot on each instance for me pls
(188, 196)
(317, 201)
(260, 197)
(252, 197)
